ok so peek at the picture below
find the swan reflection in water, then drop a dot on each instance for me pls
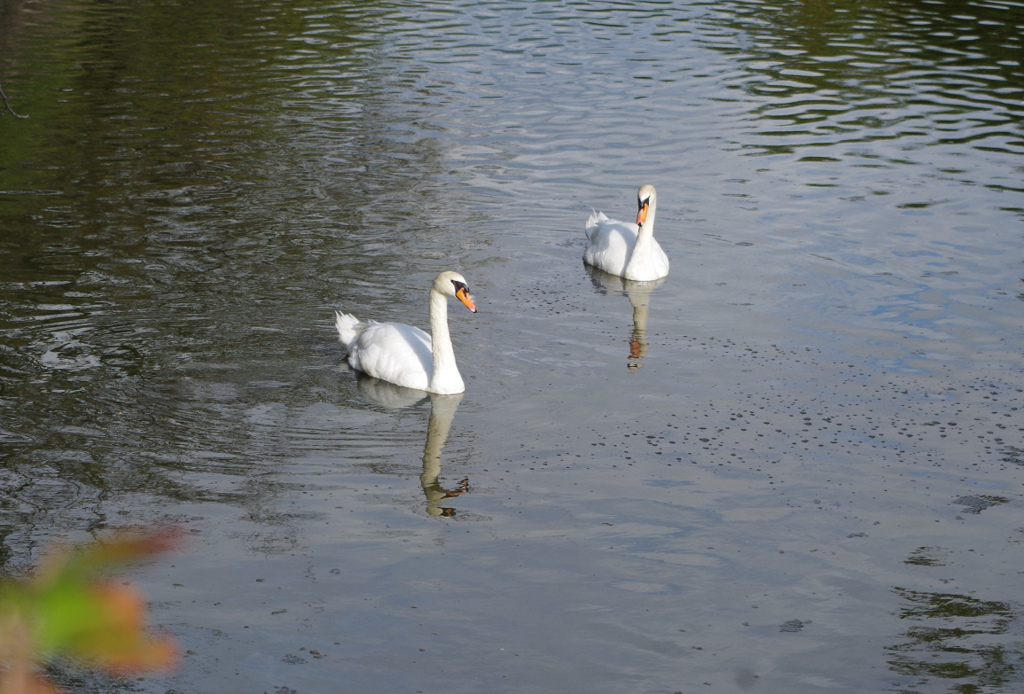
(442, 412)
(639, 295)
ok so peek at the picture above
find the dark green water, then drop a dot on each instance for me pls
(812, 482)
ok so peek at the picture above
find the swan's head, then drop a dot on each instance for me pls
(645, 199)
(453, 284)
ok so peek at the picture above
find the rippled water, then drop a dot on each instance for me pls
(795, 465)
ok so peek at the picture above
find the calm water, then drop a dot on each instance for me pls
(793, 466)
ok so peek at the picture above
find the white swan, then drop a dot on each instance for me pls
(624, 249)
(404, 355)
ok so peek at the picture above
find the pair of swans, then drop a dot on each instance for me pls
(407, 356)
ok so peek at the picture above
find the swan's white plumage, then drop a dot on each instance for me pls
(403, 354)
(626, 249)
(393, 352)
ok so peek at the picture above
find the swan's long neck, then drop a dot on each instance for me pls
(641, 257)
(446, 377)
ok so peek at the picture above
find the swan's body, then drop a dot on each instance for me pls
(625, 249)
(403, 354)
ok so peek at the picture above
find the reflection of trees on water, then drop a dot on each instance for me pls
(950, 639)
(442, 413)
(832, 74)
(639, 295)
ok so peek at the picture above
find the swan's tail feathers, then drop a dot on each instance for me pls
(591, 224)
(348, 327)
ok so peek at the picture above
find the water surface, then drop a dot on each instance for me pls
(794, 465)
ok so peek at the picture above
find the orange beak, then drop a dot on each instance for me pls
(463, 295)
(641, 214)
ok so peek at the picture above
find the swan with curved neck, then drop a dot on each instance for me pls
(627, 250)
(405, 355)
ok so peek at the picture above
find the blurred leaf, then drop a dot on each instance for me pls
(70, 607)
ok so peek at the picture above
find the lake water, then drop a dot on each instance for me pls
(793, 466)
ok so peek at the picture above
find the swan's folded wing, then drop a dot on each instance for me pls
(609, 244)
(393, 352)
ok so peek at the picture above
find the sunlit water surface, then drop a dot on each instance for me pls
(793, 466)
